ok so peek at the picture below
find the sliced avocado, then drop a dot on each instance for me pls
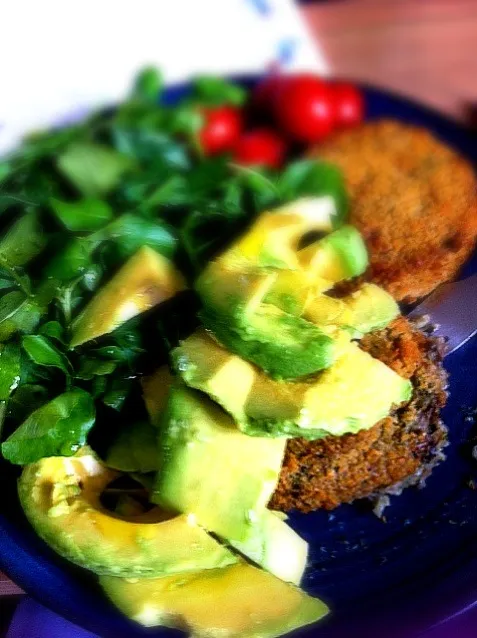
(233, 292)
(276, 547)
(340, 255)
(146, 280)
(325, 311)
(61, 499)
(293, 290)
(135, 449)
(241, 292)
(274, 237)
(282, 344)
(155, 390)
(232, 602)
(368, 308)
(211, 470)
(353, 394)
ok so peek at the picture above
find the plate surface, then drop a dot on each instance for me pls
(417, 569)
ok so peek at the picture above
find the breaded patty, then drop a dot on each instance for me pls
(401, 448)
(413, 199)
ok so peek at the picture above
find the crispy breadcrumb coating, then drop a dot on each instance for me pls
(414, 200)
(399, 449)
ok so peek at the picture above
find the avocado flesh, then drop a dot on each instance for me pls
(235, 601)
(283, 345)
(256, 312)
(276, 547)
(352, 395)
(368, 308)
(338, 256)
(61, 499)
(211, 470)
(273, 238)
(146, 280)
(155, 390)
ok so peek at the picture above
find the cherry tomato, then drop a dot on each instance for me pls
(260, 147)
(348, 105)
(221, 129)
(304, 108)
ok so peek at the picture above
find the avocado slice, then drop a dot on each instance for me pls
(368, 308)
(61, 499)
(353, 394)
(231, 602)
(274, 237)
(340, 255)
(146, 280)
(280, 342)
(233, 292)
(283, 345)
(211, 470)
(155, 390)
(257, 314)
(276, 547)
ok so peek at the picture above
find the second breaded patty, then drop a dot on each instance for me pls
(399, 449)
(414, 200)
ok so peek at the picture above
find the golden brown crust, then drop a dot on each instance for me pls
(413, 198)
(334, 470)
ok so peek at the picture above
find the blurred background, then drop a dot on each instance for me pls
(59, 60)
(426, 49)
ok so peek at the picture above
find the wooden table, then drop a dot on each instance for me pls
(423, 48)
(426, 49)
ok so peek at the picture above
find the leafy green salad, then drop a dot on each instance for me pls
(75, 204)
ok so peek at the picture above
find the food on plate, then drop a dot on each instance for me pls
(414, 200)
(61, 498)
(195, 436)
(217, 603)
(144, 281)
(260, 147)
(348, 103)
(190, 345)
(303, 108)
(220, 130)
(400, 450)
(313, 407)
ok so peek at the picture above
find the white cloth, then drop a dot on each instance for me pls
(59, 59)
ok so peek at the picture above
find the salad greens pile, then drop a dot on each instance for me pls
(75, 203)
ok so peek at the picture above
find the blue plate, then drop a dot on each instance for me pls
(419, 568)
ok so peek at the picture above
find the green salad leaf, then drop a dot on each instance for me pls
(57, 428)
(86, 214)
(313, 178)
(10, 362)
(92, 168)
(23, 241)
(42, 352)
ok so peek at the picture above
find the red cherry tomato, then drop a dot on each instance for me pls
(260, 147)
(221, 129)
(348, 105)
(304, 108)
